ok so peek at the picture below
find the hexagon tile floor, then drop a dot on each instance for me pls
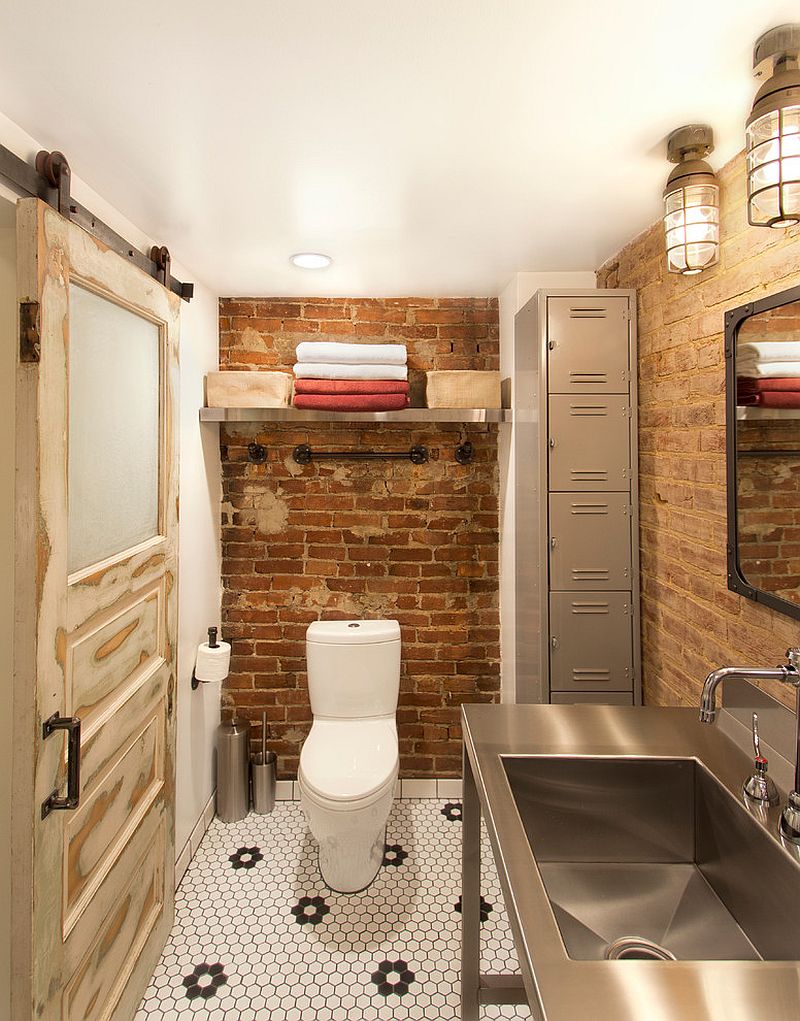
(259, 937)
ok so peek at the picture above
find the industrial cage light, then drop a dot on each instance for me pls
(691, 202)
(773, 131)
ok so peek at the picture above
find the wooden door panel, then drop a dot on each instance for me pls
(103, 744)
(111, 809)
(103, 586)
(97, 984)
(104, 660)
(93, 892)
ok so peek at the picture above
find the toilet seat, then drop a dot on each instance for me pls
(348, 764)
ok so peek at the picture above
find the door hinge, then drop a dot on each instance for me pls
(29, 337)
(170, 697)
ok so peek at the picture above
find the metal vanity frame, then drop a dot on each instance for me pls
(556, 987)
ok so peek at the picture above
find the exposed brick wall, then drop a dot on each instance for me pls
(440, 333)
(769, 507)
(359, 539)
(691, 622)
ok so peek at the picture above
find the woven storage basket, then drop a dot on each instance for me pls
(258, 389)
(454, 389)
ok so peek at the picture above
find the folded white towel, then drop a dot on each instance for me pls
(753, 351)
(328, 370)
(769, 370)
(351, 354)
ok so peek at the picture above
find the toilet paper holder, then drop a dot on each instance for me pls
(212, 644)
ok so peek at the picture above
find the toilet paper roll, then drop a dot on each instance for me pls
(212, 664)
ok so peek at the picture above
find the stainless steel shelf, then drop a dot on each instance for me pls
(755, 414)
(409, 415)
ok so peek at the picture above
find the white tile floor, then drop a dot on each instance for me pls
(258, 936)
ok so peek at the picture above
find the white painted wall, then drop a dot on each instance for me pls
(200, 489)
(8, 289)
(519, 290)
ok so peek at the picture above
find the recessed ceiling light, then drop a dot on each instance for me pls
(311, 260)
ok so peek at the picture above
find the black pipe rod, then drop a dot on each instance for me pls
(361, 455)
(303, 454)
(768, 453)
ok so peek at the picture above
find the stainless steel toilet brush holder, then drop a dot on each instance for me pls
(263, 770)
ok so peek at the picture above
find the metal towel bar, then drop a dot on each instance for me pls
(303, 454)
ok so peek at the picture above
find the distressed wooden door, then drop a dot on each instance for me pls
(95, 585)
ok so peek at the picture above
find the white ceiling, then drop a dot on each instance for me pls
(429, 146)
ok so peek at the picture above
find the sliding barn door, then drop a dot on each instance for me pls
(95, 580)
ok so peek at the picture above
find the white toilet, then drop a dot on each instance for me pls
(349, 762)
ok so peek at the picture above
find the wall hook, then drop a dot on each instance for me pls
(465, 453)
(256, 453)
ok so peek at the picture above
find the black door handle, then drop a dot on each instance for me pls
(73, 727)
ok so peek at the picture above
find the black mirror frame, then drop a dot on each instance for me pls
(733, 323)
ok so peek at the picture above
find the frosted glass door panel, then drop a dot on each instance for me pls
(114, 428)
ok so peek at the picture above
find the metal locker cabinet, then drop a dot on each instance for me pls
(591, 641)
(588, 346)
(589, 446)
(590, 541)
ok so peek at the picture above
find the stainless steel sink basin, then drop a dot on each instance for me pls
(639, 886)
(654, 859)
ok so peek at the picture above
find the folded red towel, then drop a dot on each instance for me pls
(778, 399)
(746, 386)
(350, 386)
(351, 402)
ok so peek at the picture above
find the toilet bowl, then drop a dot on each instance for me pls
(349, 761)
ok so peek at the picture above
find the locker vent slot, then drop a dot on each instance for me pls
(590, 574)
(588, 475)
(590, 608)
(588, 410)
(587, 676)
(589, 508)
(588, 377)
(587, 313)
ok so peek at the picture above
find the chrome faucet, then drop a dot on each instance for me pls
(788, 673)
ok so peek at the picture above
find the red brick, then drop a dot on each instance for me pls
(360, 539)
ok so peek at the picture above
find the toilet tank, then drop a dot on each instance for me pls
(353, 668)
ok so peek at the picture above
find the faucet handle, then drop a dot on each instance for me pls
(760, 786)
(756, 740)
(793, 655)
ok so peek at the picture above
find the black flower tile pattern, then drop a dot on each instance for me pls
(246, 857)
(486, 907)
(393, 854)
(392, 978)
(204, 981)
(280, 970)
(310, 910)
(453, 811)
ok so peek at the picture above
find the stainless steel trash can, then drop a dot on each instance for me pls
(264, 773)
(233, 770)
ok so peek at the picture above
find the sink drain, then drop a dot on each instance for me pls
(636, 948)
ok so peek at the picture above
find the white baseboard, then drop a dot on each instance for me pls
(187, 852)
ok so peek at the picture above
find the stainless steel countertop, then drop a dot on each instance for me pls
(561, 989)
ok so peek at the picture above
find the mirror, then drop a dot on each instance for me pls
(762, 351)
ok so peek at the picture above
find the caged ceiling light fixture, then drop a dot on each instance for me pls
(773, 131)
(691, 202)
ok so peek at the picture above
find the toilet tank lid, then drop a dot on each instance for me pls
(353, 632)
